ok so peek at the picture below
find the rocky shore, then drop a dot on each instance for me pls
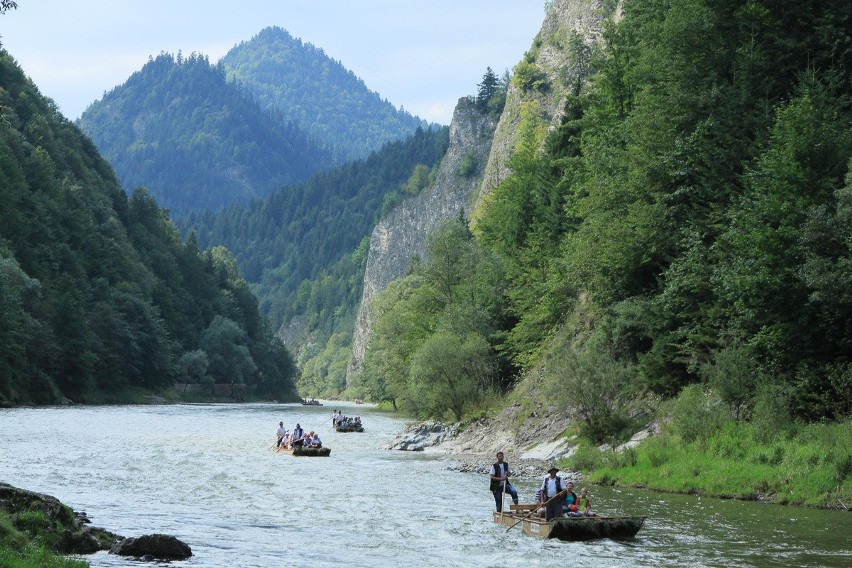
(43, 519)
(473, 448)
(530, 444)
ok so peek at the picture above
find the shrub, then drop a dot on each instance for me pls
(530, 77)
(698, 415)
(467, 167)
(586, 458)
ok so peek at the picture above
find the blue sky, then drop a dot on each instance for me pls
(422, 55)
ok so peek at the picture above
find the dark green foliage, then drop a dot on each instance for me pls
(195, 140)
(285, 241)
(695, 196)
(487, 88)
(299, 81)
(431, 350)
(491, 93)
(98, 294)
(529, 76)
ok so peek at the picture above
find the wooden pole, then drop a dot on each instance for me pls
(503, 498)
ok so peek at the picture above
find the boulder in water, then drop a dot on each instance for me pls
(156, 546)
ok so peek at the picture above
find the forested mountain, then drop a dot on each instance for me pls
(195, 140)
(293, 235)
(300, 82)
(688, 223)
(304, 248)
(100, 300)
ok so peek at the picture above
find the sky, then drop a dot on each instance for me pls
(422, 55)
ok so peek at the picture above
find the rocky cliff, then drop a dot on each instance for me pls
(401, 235)
(561, 63)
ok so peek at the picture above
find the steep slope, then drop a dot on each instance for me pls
(180, 129)
(554, 67)
(555, 71)
(99, 298)
(401, 236)
(300, 82)
(291, 236)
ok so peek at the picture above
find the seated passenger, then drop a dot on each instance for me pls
(586, 503)
(570, 506)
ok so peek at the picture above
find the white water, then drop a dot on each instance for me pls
(207, 474)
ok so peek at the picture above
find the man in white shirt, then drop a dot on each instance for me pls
(551, 494)
(281, 432)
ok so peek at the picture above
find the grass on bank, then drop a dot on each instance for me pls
(801, 464)
(21, 545)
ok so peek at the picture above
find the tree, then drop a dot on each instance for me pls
(449, 372)
(487, 89)
(225, 344)
(6, 5)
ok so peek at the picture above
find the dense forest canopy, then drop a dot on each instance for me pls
(99, 297)
(687, 223)
(294, 234)
(304, 248)
(196, 140)
(299, 81)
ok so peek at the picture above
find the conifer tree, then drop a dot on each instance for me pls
(487, 88)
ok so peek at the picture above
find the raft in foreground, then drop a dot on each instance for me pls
(572, 528)
(300, 451)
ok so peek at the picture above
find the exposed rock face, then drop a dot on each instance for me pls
(561, 69)
(156, 546)
(418, 437)
(401, 236)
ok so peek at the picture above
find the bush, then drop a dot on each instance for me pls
(530, 77)
(771, 411)
(467, 167)
(698, 415)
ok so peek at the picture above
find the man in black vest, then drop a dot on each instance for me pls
(552, 494)
(500, 473)
(298, 437)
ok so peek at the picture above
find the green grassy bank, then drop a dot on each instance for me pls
(800, 464)
(26, 542)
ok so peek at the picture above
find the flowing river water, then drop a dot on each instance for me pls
(207, 474)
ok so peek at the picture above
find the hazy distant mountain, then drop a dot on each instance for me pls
(195, 140)
(292, 235)
(300, 82)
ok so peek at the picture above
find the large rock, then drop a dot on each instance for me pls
(418, 437)
(156, 546)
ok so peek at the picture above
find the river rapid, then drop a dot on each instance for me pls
(208, 475)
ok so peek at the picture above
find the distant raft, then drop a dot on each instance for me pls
(349, 427)
(570, 528)
(310, 452)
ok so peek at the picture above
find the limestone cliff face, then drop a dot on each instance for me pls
(401, 236)
(551, 55)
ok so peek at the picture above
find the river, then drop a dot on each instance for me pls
(207, 474)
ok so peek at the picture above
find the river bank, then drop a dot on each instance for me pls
(37, 530)
(808, 465)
